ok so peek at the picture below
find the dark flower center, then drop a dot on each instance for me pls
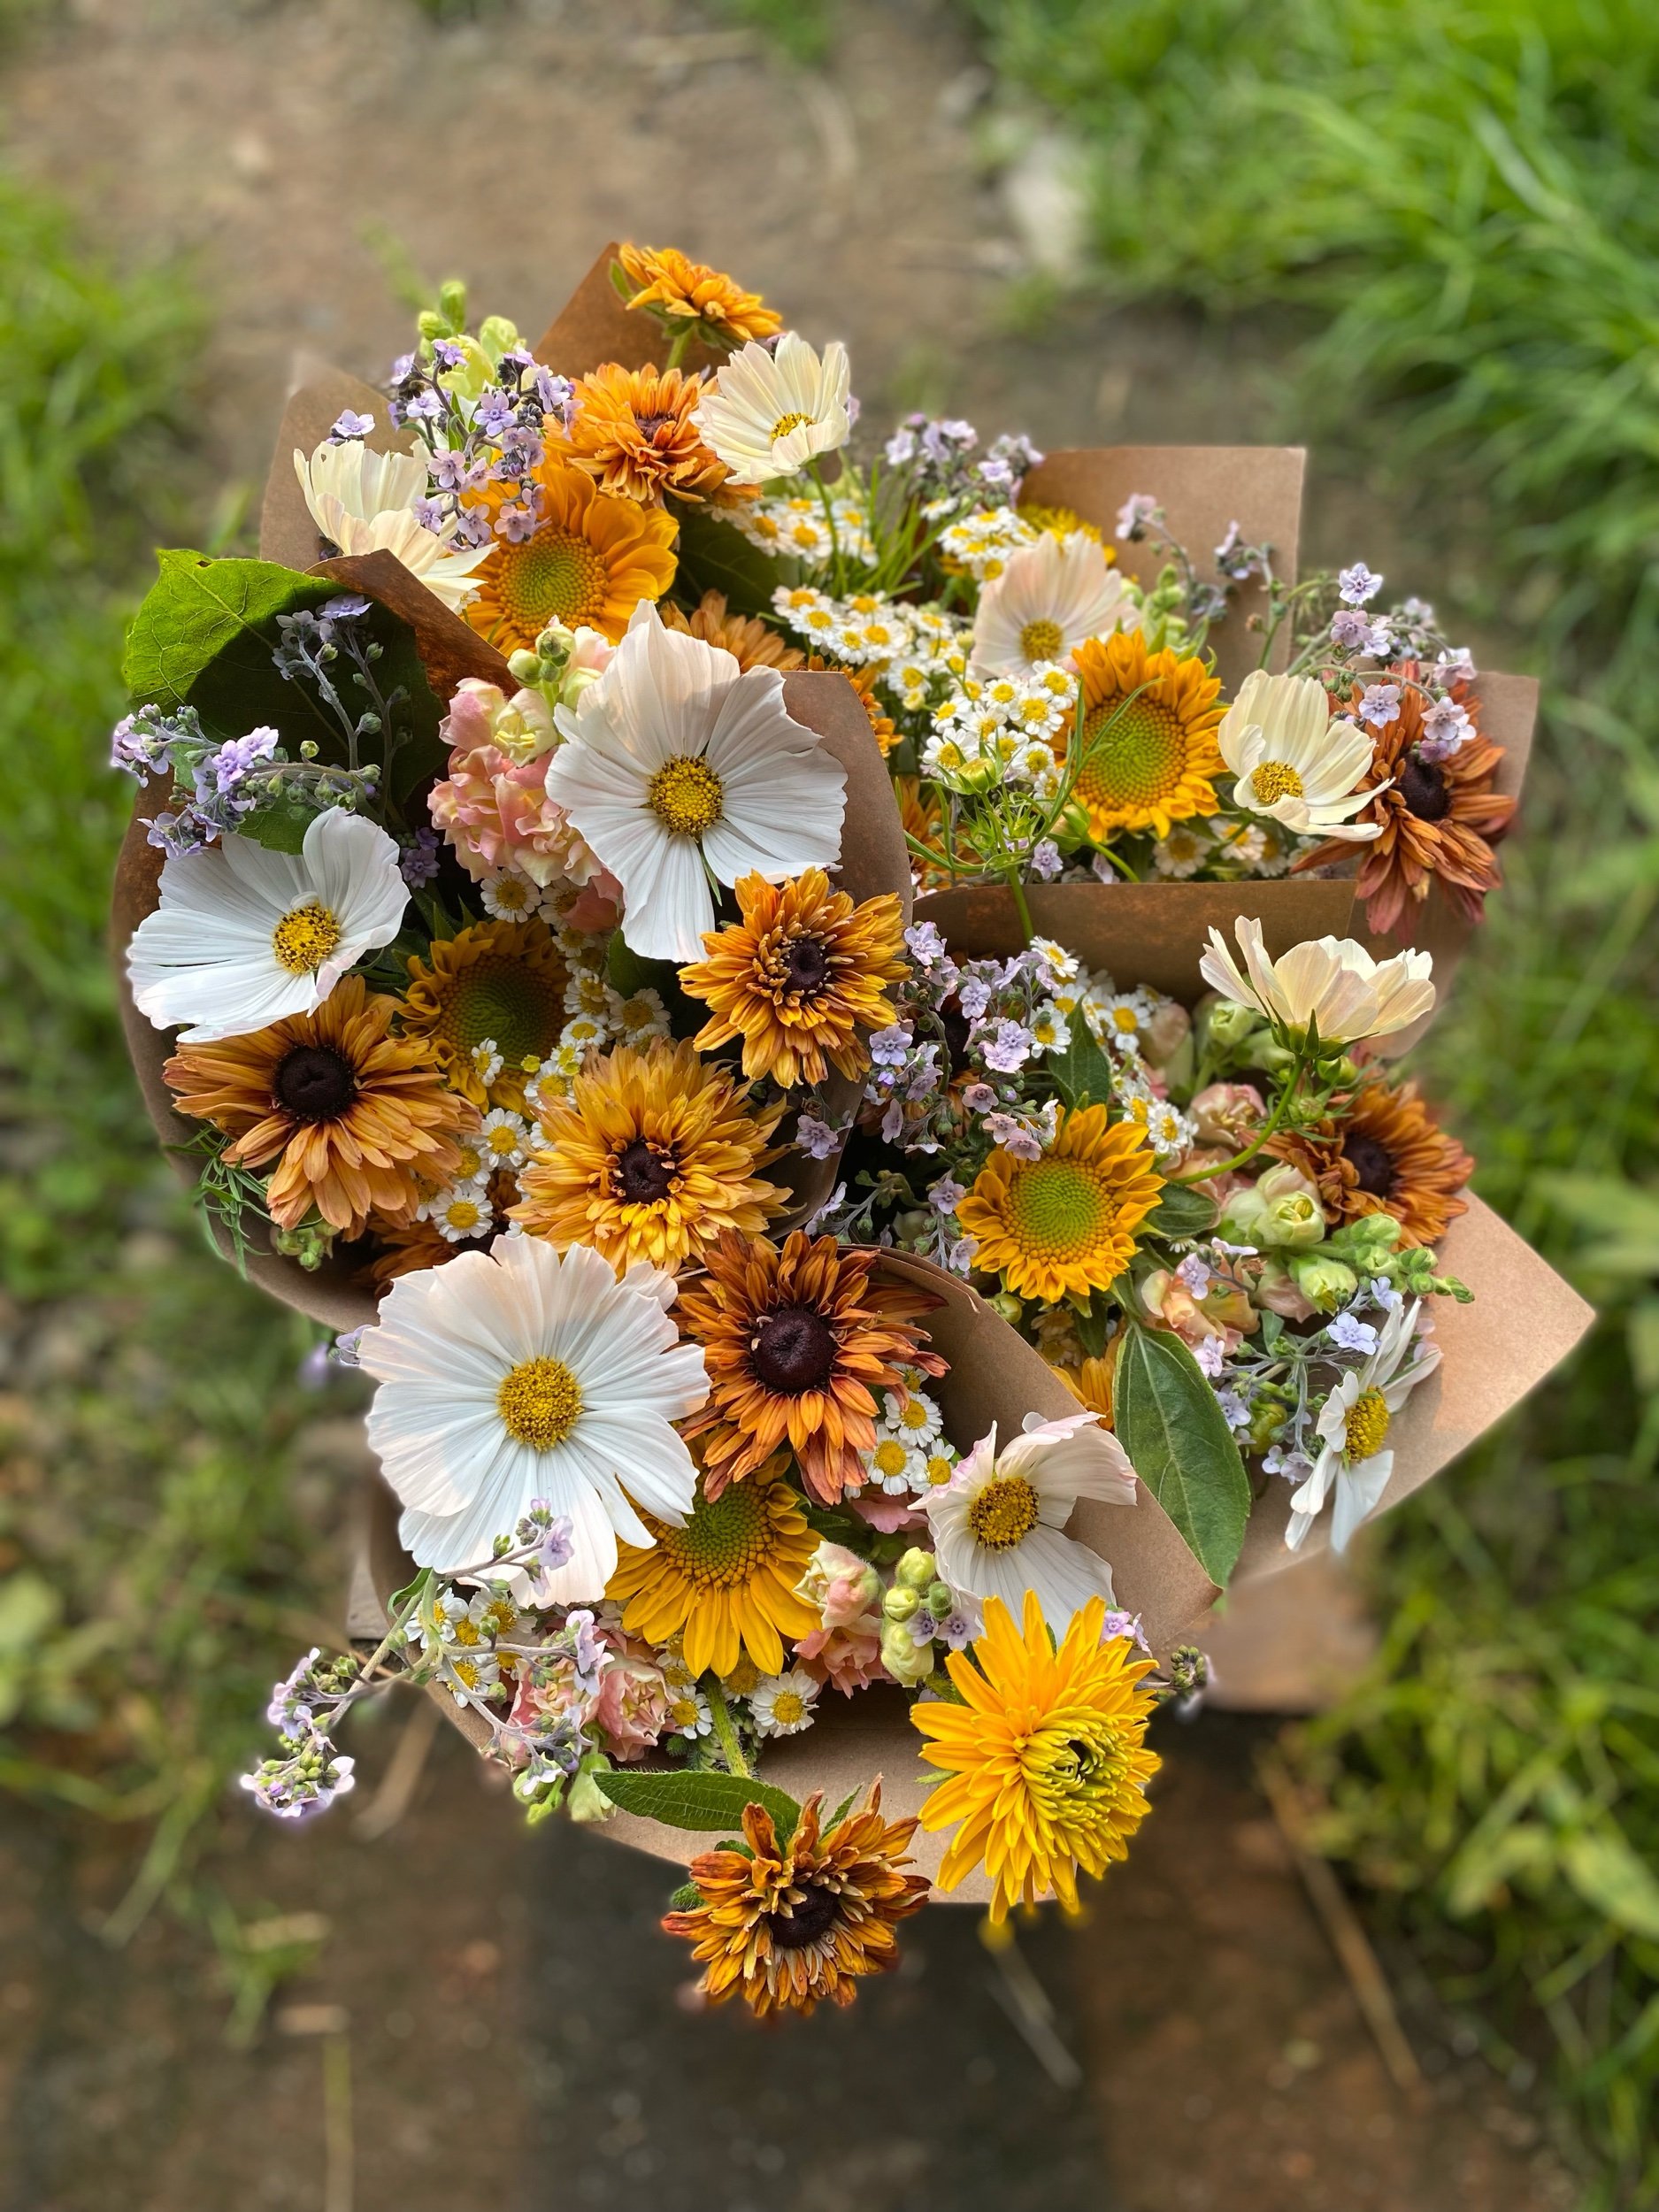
(649, 425)
(314, 1083)
(792, 1350)
(813, 1918)
(805, 965)
(1371, 1164)
(642, 1175)
(1424, 789)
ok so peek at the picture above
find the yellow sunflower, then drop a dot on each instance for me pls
(591, 559)
(652, 1156)
(726, 1581)
(1064, 1226)
(1045, 1759)
(1150, 728)
(500, 983)
(798, 977)
(1091, 1380)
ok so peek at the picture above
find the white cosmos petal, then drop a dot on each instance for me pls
(1328, 979)
(1358, 1490)
(1066, 581)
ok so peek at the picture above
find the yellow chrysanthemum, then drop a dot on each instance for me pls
(653, 1155)
(1149, 734)
(683, 291)
(591, 559)
(1045, 1761)
(1064, 1226)
(498, 982)
(725, 1580)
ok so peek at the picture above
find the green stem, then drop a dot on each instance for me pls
(840, 569)
(677, 348)
(1268, 1129)
(726, 1734)
(1018, 889)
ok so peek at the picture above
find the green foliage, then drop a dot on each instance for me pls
(1171, 1426)
(704, 1801)
(201, 610)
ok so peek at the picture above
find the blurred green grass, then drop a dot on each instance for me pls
(1446, 218)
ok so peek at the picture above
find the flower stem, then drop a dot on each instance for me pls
(726, 1733)
(1021, 908)
(1268, 1128)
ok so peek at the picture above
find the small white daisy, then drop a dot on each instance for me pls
(688, 1713)
(504, 1138)
(782, 1703)
(894, 1465)
(510, 896)
(459, 1213)
(916, 1417)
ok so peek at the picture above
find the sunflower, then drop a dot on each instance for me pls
(1064, 1226)
(1045, 1756)
(796, 1341)
(590, 560)
(356, 1114)
(1439, 820)
(750, 643)
(882, 726)
(784, 1926)
(1385, 1155)
(1091, 1381)
(651, 1157)
(633, 433)
(921, 817)
(726, 1581)
(798, 977)
(500, 983)
(1148, 736)
(689, 293)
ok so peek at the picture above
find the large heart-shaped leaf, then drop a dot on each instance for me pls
(199, 609)
(1170, 1423)
(706, 1801)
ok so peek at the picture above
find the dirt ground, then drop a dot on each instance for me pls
(494, 2016)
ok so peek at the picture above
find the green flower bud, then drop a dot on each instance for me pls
(904, 1659)
(1243, 1218)
(940, 1600)
(585, 1799)
(1324, 1282)
(452, 302)
(526, 667)
(901, 1604)
(1294, 1218)
(1012, 1308)
(1266, 1421)
(1273, 1056)
(916, 1570)
(1227, 1025)
(497, 337)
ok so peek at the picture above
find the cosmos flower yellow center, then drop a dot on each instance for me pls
(1275, 780)
(1367, 1425)
(785, 423)
(687, 795)
(540, 1402)
(506, 1002)
(1004, 1513)
(306, 936)
(1058, 1210)
(725, 1540)
(1042, 640)
(1135, 755)
(554, 574)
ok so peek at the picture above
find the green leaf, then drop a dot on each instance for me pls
(198, 609)
(686, 1898)
(408, 1595)
(1169, 1422)
(705, 1801)
(713, 556)
(280, 828)
(1612, 1880)
(1082, 1073)
(1182, 1211)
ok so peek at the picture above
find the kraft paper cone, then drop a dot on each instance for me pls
(286, 531)
(1203, 489)
(994, 1376)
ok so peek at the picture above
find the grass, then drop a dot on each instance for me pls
(1450, 213)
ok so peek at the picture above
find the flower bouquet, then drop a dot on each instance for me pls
(819, 1352)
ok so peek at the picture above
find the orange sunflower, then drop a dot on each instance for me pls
(882, 726)
(681, 291)
(798, 977)
(750, 641)
(1384, 1155)
(1064, 1226)
(653, 1155)
(360, 1116)
(633, 433)
(1440, 820)
(1149, 749)
(796, 1341)
(497, 983)
(785, 1927)
(590, 559)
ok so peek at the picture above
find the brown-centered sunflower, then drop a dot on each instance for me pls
(360, 1117)
(798, 977)
(1386, 1155)
(652, 1156)
(1064, 1226)
(1148, 746)
(590, 559)
(690, 295)
(883, 728)
(796, 1341)
(725, 1584)
(750, 642)
(497, 983)
(633, 433)
(1439, 819)
(786, 1926)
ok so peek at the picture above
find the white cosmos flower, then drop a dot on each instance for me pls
(1292, 760)
(677, 767)
(364, 502)
(521, 1373)
(1353, 1426)
(1048, 600)
(998, 1523)
(1328, 979)
(769, 411)
(244, 936)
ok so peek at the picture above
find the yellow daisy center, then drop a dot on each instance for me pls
(788, 1707)
(540, 1402)
(554, 574)
(1275, 780)
(464, 1214)
(1058, 1210)
(890, 1457)
(939, 1469)
(785, 423)
(501, 1139)
(725, 1542)
(501, 1000)
(687, 795)
(306, 936)
(1136, 761)
(1004, 1513)
(914, 1415)
(1366, 1426)
(1042, 640)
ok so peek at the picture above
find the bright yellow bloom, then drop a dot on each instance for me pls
(500, 983)
(1064, 1226)
(590, 560)
(1149, 723)
(683, 290)
(1046, 1761)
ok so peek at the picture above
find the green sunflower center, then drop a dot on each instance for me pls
(540, 1402)
(1004, 1513)
(726, 1541)
(1057, 1209)
(686, 796)
(1275, 780)
(1135, 755)
(501, 998)
(554, 574)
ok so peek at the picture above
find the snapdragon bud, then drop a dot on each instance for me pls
(526, 666)
(1227, 1025)
(1012, 1308)
(916, 1570)
(1324, 1282)
(940, 1599)
(904, 1659)
(901, 1604)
